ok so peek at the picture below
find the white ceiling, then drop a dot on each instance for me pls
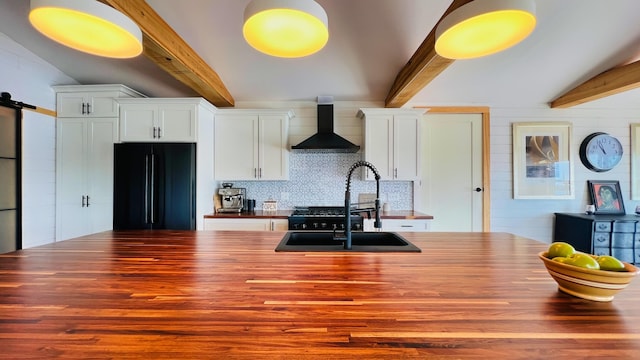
(370, 41)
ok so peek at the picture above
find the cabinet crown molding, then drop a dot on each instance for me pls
(98, 87)
(389, 111)
(159, 101)
(232, 111)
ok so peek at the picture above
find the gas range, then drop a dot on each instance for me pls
(322, 218)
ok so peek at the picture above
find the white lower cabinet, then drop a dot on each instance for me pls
(400, 225)
(247, 224)
(84, 176)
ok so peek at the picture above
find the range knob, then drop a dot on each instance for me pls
(304, 226)
(356, 226)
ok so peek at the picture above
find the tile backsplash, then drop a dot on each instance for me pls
(320, 180)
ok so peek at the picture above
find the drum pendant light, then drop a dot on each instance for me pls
(484, 27)
(88, 26)
(285, 28)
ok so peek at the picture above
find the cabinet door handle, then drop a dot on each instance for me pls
(152, 175)
(255, 173)
(83, 108)
(87, 200)
(154, 132)
(147, 181)
(83, 203)
(259, 173)
(395, 173)
(88, 108)
(159, 132)
(478, 189)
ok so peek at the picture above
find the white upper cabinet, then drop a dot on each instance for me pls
(392, 142)
(159, 119)
(251, 144)
(90, 100)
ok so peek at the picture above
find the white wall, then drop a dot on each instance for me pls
(28, 79)
(534, 218)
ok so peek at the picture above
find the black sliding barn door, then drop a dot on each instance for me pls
(10, 179)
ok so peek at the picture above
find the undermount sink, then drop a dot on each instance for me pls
(360, 242)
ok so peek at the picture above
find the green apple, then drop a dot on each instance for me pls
(610, 263)
(560, 248)
(559, 259)
(583, 260)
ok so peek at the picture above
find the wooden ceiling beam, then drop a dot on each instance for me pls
(610, 82)
(422, 68)
(169, 51)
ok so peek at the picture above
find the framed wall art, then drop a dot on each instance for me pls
(542, 165)
(606, 196)
(635, 161)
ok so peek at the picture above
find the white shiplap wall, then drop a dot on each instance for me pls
(28, 79)
(534, 218)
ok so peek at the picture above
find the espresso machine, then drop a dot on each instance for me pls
(231, 199)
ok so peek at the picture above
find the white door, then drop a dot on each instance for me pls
(71, 191)
(138, 122)
(272, 154)
(102, 134)
(406, 137)
(451, 186)
(177, 123)
(379, 131)
(236, 147)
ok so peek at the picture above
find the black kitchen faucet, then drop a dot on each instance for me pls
(347, 203)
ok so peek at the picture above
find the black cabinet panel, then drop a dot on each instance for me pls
(154, 186)
(617, 235)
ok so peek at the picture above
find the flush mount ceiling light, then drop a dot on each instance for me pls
(88, 26)
(285, 28)
(484, 27)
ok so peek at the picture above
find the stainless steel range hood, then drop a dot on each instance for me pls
(325, 140)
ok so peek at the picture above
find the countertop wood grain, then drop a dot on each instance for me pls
(221, 295)
(280, 214)
(283, 214)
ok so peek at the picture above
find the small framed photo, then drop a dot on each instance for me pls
(606, 196)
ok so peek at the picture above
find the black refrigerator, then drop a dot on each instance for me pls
(154, 186)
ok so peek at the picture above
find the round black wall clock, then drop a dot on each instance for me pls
(600, 152)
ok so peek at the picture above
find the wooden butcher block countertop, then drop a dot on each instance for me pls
(283, 214)
(161, 294)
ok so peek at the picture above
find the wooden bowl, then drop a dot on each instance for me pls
(595, 285)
